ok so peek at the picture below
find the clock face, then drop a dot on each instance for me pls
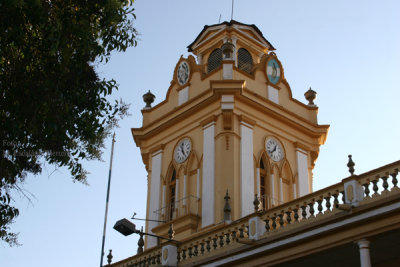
(274, 149)
(183, 73)
(182, 150)
(273, 71)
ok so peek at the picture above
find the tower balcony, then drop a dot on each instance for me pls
(183, 214)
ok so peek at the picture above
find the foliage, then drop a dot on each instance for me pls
(53, 104)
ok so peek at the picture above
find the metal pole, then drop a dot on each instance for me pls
(107, 199)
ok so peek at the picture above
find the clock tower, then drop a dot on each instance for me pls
(228, 126)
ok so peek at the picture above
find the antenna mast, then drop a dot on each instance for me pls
(107, 199)
(232, 10)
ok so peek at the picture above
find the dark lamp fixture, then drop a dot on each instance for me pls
(125, 227)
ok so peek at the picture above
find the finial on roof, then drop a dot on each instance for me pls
(256, 203)
(148, 98)
(310, 95)
(351, 164)
(109, 257)
(227, 208)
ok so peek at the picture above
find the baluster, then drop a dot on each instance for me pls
(215, 243)
(394, 179)
(296, 214)
(335, 200)
(158, 259)
(208, 247)
(274, 222)
(343, 197)
(281, 220)
(366, 190)
(375, 185)
(190, 252)
(328, 203)
(267, 228)
(228, 238)
(183, 254)
(288, 216)
(202, 248)
(233, 235)
(221, 240)
(196, 251)
(319, 201)
(153, 260)
(311, 205)
(241, 235)
(304, 212)
(149, 260)
(385, 183)
(179, 256)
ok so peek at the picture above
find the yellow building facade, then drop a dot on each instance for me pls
(229, 123)
(229, 155)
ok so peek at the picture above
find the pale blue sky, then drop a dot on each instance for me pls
(347, 51)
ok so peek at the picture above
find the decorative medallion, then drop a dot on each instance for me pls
(183, 73)
(273, 70)
(165, 254)
(182, 150)
(274, 149)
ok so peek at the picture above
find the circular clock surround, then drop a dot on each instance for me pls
(274, 149)
(273, 70)
(182, 150)
(183, 73)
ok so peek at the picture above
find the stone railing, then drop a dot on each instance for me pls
(214, 241)
(351, 192)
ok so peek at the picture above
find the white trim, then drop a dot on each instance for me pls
(272, 189)
(157, 152)
(209, 125)
(246, 170)
(154, 202)
(314, 232)
(302, 171)
(258, 182)
(246, 124)
(198, 184)
(184, 190)
(208, 192)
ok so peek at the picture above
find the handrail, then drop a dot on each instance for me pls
(377, 183)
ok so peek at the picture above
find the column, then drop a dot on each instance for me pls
(280, 191)
(163, 206)
(184, 190)
(365, 259)
(207, 197)
(302, 170)
(156, 161)
(272, 197)
(258, 182)
(246, 169)
(198, 184)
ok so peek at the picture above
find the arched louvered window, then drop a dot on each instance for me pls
(245, 61)
(214, 60)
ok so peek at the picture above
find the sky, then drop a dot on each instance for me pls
(347, 51)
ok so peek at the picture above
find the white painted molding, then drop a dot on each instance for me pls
(155, 187)
(183, 95)
(246, 170)
(302, 170)
(273, 94)
(208, 185)
(227, 71)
